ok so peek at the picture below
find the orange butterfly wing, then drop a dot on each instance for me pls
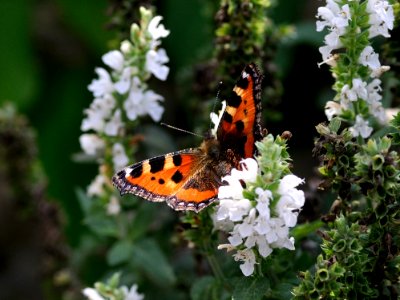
(240, 126)
(179, 178)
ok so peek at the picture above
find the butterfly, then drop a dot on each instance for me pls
(189, 179)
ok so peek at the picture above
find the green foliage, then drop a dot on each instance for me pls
(249, 288)
(274, 158)
(344, 269)
(207, 287)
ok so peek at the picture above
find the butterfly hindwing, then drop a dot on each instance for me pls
(240, 125)
(177, 178)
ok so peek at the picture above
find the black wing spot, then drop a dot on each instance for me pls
(177, 177)
(227, 117)
(121, 174)
(240, 145)
(161, 181)
(177, 160)
(243, 83)
(157, 164)
(239, 125)
(137, 170)
(153, 178)
(234, 100)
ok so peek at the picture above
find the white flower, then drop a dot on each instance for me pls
(91, 143)
(378, 112)
(332, 41)
(333, 16)
(373, 89)
(114, 59)
(263, 247)
(245, 229)
(140, 102)
(216, 119)
(249, 260)
(96, 187)
(232, 204)
(251, 224)
(337, 19)
(358, 90)
(326, 52)
(92, 294)
(291, 201)
(155, 61)
(361, 128)
(370, 59)
(263, 201)
(120, 159)
(102, 86)
(156, 29)
(132, 294)
(234, 189)
(114, 124)
(359, 87)
(151, 105)
(232, 210)
(381, 17)
(99, 110)
(332, 109)
(124, 82)
(288, 183)
(113, 206)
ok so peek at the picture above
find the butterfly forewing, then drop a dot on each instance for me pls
(240, 126)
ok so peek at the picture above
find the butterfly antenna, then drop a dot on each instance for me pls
(182, 130)
(217, 99)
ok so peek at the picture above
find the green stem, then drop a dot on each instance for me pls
(259, 270)
(216, 268)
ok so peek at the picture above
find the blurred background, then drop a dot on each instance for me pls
(48, 52)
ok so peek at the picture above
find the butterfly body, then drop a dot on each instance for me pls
(189, 179)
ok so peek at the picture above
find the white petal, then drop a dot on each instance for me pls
(133, 294)
(92, 294)
(235, 240)
(288, 182)
(114, 59)
(91, 144)
(103, 85)
(156, 29)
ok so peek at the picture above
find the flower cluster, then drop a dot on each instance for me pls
(121, 94)
(259, 215)
(351, 24)
(336, 18)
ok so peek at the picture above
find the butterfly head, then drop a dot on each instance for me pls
(211, 146)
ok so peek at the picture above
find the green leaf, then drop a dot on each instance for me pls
(120, 252)
(303, 230)
(203, 288)
(334, 125)
(250, 288)
(84, 200)
(102, 225)
(141, 223)
(148, 256)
